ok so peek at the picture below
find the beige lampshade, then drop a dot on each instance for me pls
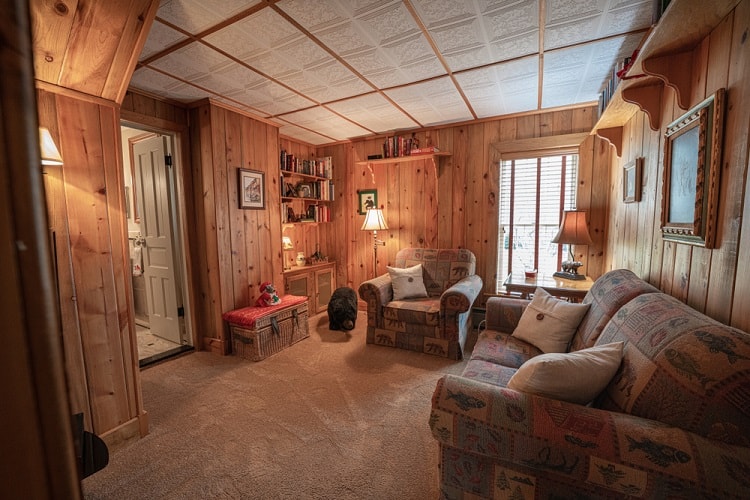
(573, 230)
(286, 243)
(48, 149)
(374, 220)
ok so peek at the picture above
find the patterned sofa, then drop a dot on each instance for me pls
(437, 324)
(674, 422)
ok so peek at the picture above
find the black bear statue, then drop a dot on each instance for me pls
(342, 309)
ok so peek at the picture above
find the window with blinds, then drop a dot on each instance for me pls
(534, 192)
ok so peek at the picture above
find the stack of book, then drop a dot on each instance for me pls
(618, 74)
(319, 167)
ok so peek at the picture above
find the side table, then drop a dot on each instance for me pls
(573, 290)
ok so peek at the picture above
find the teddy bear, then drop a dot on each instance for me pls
(342, 309)
(268, 295)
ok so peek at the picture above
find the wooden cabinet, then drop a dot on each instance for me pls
(664, 58)
(317, 282)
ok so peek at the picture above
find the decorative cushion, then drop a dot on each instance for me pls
(407, 282)
(549, 323)
(576, 377)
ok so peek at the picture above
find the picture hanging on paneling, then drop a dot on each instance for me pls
(368, 198)
(631, 181)
(692, 164)
(252, 189)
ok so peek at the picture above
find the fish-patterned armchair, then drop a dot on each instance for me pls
(437, 324)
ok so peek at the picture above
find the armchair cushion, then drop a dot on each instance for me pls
(549, 323)
(576, 377)
(407, 283)
(424, 311)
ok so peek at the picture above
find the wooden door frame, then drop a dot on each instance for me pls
(39, 453)
(179, 135)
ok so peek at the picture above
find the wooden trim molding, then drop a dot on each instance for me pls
(509, 150)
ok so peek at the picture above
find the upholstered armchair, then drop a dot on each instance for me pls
(436, 324)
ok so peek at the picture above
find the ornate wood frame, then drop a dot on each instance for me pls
(692, 165)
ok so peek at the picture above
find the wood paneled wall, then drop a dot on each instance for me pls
(235, 250)
(88, 45)
(451, 203)
(86, 215)
(714, 281)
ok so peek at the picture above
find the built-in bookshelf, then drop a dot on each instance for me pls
(306, 189)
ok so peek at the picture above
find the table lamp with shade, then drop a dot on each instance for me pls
(374, 221)
(573, 231)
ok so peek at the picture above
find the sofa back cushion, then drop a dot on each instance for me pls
(607, 295)
(680, 367)
(442, 268)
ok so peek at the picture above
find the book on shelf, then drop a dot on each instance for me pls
(425, 150)
(398, 146)
(319, 167)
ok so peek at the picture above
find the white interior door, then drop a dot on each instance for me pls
(153, 181)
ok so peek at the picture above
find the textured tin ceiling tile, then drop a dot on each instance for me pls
(433, 102)
(192, 62)
(256, 34)
(303, 135)
(579, 73)
(326, 123)
(159, 38)
(374, 112)
(502, 88)
(195, 16)
(271, 98)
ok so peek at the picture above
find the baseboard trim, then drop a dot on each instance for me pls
(127, 433)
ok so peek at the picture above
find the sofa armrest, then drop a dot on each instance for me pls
(503, 313)
(377, 291)
(618, 452)
(460, 297)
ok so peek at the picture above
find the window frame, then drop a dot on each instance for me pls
(536, 164)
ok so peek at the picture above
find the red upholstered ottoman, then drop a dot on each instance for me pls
(258, 332)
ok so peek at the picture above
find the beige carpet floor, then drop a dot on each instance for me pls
(327, 418)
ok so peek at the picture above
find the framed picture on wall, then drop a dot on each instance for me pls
(692, 164)
(251, 189)
(631, 181)
(368, 198)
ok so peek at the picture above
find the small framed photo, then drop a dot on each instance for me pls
(368, 198)
(631, 181)
(304, 190)
(692, 165)
(252, 189)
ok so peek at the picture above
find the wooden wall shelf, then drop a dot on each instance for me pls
(404, 159)
(665, 58)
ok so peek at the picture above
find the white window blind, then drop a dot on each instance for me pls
(534, 192)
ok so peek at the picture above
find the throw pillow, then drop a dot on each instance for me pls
(575, 377)
(407, 282)
(549, 323)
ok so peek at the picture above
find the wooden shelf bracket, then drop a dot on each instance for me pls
(675, 70)
(648, 98)
(614, 136)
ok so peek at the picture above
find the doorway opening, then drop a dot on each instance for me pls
(157, 253)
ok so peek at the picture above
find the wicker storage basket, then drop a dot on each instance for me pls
(269, 330)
